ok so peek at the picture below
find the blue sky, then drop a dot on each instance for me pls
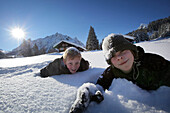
(41, 18)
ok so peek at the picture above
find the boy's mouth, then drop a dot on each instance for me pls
(123, 62)
(73, 70)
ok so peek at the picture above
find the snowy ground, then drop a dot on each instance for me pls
(23, 90)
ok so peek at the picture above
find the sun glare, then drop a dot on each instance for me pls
(18, 33)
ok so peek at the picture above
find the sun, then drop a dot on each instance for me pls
(18, 33)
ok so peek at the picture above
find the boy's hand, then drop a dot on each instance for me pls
(98, 97)
(82, 101)
(86, 93)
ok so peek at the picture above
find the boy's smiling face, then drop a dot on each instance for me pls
(123, 60)
(73, 64)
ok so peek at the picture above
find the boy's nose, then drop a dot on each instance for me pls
(119, 57)
(74, 66)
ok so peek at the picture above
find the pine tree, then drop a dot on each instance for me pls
(2, 54)
(35, 50)
(92, 41)
(140, 36)
(100, 45)
(26, 48)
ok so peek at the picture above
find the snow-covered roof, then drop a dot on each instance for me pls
(69, 43)
(129, 37)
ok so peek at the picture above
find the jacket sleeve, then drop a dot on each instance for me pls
(105, 80)
(51, 69)
(44, 72)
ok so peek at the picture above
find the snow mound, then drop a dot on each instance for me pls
(23, 90)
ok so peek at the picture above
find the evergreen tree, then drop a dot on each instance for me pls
(2, 54)
(100, 45)
(164, 30)
(141, 36)
(35, 50)
(92, 41)
(26, 48)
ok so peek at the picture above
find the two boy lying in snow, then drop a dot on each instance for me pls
(146, 70)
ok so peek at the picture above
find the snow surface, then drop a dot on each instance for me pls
(23, 90)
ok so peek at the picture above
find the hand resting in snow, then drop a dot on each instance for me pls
(86, 93)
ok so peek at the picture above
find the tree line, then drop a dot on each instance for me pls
(155, 29)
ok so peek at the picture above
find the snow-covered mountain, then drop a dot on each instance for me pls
(46, 44)
(155, 29)
(49, 41)
(143, 26)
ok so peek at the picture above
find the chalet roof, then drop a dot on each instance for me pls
(69, 43)
(129, 37)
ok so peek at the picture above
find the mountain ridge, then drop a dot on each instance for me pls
(42, 45)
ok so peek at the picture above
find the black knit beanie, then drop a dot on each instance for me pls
(114, 43)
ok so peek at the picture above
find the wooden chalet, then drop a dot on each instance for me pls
(63, 45)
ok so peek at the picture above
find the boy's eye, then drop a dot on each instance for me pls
(70, 63)
(77, 63)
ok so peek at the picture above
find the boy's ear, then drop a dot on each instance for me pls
(64, 61)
